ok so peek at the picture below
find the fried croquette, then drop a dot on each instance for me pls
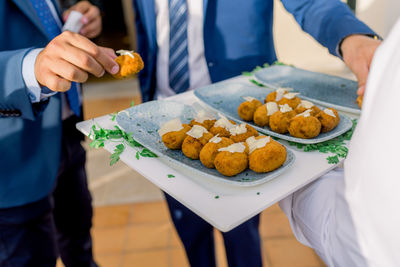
(195, 139)
(129, 63)
(241, 132)
(221, 127)
(173, 133)
(329, 119)
(263, 113)
(206, 123)
(203, 119)
(305, 105)
(231, 160)
(279, 121)
(210, 150)
(277, 95)
(246, 109)
(267, 158)
(360, 100)
(291, 99)
(304, 125)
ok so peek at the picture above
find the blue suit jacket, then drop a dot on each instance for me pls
(238, 34)
(30, 135)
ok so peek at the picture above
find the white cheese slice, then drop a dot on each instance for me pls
(237, 147)
(306, 104)
(170, 126)
(216, 139)
(329, 112)
(238, 129)
(290, 95)
(285, 108)
(125, 53)
(223, 122)
(197, 131)
(257, 143)
(202, 116)
(280, 92)
(272, 107)
(249, 98)
(305, 114)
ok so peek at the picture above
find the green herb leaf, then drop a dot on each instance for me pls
(147, 153)
(113, 116)
(257, 83)
(132, 103)
(117, 152)
(137, 155)
(333, 159)
(216, 197)
(247, 73)
(171, 176)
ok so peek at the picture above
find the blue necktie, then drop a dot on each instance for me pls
(179, 79)
(53, 30)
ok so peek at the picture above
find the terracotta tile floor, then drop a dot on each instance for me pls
(142, 235)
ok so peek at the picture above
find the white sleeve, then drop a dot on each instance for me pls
(28, 73)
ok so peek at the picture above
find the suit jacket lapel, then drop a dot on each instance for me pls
(148, 7)
(28, 10)
(205, 3)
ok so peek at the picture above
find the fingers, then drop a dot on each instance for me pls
(93, 50)
(92, 29)
(91, 14)
(68, 71)
(109, 52)
(361, 69)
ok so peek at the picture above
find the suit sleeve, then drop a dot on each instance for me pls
(328, 21)
(14, 95)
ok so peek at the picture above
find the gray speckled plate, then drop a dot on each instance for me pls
(226, 98)
(322, 89)
(144, 121)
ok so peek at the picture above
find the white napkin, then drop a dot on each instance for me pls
(372, 169)
(73, 23)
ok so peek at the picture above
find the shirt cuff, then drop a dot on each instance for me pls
(35, 91)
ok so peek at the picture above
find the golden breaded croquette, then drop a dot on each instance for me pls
(279, 121)
(221, 127)
(304, 125)
(206, 123)
(329, 119)
(129, 63)
(247, 108)
(231, 160)
(241, 132)
(305, 105)
(171, 137)
(291, 99)
(277, 95)
(210, 150)
(195, 139)
(267, 158)
(264, 112)
(360, 100)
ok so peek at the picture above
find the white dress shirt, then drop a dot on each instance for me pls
(199, 75)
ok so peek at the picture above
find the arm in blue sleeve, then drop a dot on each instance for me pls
(14, 94)
(328, 21)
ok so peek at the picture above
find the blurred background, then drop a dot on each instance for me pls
(131, 224)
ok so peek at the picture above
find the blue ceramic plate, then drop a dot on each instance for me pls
(145, 120)
(322, 89)
(226, 98)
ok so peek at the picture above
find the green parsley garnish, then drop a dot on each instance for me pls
(117, 152)
(132, 103)
(335, 146)
(113, 116)
(257, 83)
(171, 176)
(100, 135)
(216, 197)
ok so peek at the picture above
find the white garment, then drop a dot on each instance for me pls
(353, 219)
(199, 75)
(372, 169)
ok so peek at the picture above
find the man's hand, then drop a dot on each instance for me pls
(91, 19)
(358, 51)
(70, 57)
